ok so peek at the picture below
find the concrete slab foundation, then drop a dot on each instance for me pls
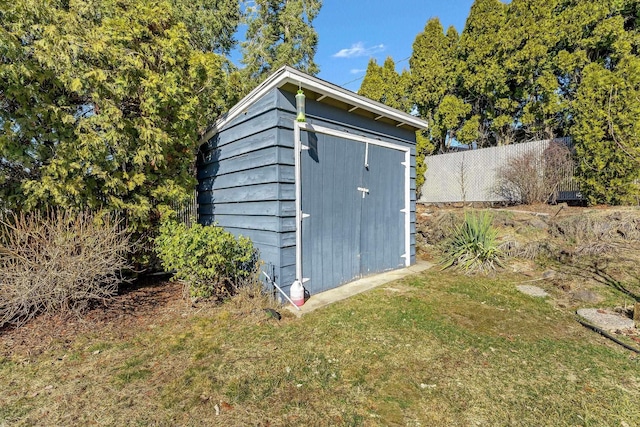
(358, 286)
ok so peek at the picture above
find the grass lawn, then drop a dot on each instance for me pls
(436, 349)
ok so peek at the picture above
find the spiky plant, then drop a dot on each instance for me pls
(472, 246)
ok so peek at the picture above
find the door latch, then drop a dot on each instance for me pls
(364, 191)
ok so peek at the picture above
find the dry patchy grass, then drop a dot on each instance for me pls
(589, 249)
(445, 350)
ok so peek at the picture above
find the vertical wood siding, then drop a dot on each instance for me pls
(324, 115)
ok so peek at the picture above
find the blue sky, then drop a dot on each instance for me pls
(351, 32)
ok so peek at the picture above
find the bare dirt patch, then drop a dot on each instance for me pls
(138, 306)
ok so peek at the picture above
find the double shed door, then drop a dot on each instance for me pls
(352, 200)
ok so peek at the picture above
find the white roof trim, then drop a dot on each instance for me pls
(287, 74)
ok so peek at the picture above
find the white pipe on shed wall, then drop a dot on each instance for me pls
(297, 147)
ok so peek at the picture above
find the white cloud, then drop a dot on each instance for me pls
(357, 70)
(358, 49)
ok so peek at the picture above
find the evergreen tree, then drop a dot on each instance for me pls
(529, 38)
(597, 61)
(211, 24)
(424, 147)
(535, 69)
(590, 32)
(103, 104)
(385, 85)
(372, 85)
(280, 32)
(396, 86)
(434, 86)
(607, 133)
(432, 71)
(483, 75)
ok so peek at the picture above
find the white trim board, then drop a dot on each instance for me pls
(346, 135)
(300, 126)
(287, 74)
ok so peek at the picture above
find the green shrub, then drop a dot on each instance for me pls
(58, 262)
(473, 245)
(210, 260)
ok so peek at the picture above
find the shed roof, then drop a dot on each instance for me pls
(320, 90)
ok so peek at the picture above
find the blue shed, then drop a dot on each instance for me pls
(326, 201)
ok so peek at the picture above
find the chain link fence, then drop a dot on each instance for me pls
(473, 175)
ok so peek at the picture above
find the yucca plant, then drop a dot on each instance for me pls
(472, 246)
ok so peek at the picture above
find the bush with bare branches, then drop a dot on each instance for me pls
(558, 168)
(531, 178)
(58, 262)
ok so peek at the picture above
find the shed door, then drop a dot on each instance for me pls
(353, 224)
(382, 229)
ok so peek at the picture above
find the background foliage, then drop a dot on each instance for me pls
(103, 102)
(530, 70)
(279, 32)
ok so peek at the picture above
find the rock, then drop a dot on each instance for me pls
(272, 313)
(586, 295)
(605, 319)
(538, 223)
(549, 274)
(534, 291)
